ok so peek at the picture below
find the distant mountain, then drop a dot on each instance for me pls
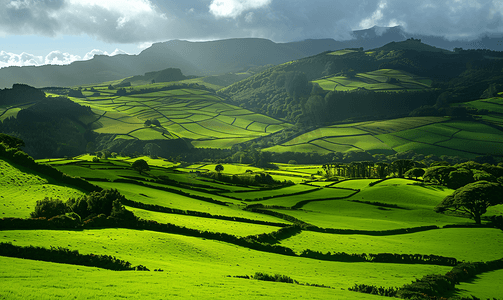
(378, 36)
(216, 57)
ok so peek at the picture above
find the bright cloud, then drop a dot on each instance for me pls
(142, 22)
(234, 8)
(53, 58)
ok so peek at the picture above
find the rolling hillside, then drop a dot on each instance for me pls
(425, 135)
(199, 217)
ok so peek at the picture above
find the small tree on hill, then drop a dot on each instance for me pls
(141, 165)
(473, 199)
(414, 172)
(219, 168)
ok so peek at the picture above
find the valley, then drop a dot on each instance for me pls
(332, 176)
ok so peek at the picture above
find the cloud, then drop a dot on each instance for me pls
(56, 57)
(145, 21)
(60, 58)
(234, 8)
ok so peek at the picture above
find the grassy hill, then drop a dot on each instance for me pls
(191, 113)
(202, 205)
(425, 135)
(379, 80)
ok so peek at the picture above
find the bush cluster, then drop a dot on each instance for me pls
(434, 286)
(382, 257)
(374, 290)
(276, 236)
(67, 256)
(85, 208)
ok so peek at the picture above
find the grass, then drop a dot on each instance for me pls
(469, 244)
(205, 224)
(200, 260)
(483, 286)
(171, 200)
(196, 114)
(375, 80)
(426, 135)
(20, 189)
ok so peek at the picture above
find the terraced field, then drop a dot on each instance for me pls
(427, 135)
(379, 80)
(493, 107)
(193, 114)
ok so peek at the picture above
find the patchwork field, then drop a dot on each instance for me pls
(426, 135)
(190, 113)
(379, 80)
(201, 266)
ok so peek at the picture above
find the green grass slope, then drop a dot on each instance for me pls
(379, 80)
(426, 135)
(190, 113)
(21, 188)
(204, 262)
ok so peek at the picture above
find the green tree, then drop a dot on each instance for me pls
(459, 178)
(473, 199)
(402, 166)
(414, 172)
(140, 165)
(219, 168)
(49, 208)
(438, 174)
(11, 141)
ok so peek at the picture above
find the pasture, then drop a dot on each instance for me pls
(20, 189)
(199, 267)
(190, 113)
(379, 80)
(426, 135)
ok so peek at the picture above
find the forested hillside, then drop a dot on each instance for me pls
(287, 91)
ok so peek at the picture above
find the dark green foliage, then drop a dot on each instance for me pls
(459, 178)
(255, 179)
(49, 208)
(166, 75)
(51, 128)
(219, 168)
(276, 236)
(275, 277)
(415, 172)
(20, 93)
(140, 165)
(151, 149)
(66, 256)
(374, 290)
(11, 141)
(434, 286)
(438, 174)
(106, 203)
(75, 93)
(402, 166)
(473, 199)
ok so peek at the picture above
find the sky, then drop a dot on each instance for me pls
(37, 32)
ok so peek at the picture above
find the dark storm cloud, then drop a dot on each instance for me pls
(135, 21)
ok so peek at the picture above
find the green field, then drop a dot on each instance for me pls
(204, 268)
(426, 135)
(375, 80)
(189, 113)
(195, 261)
(20, 189)
(463, 244)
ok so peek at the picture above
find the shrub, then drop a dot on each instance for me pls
(49, 208)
